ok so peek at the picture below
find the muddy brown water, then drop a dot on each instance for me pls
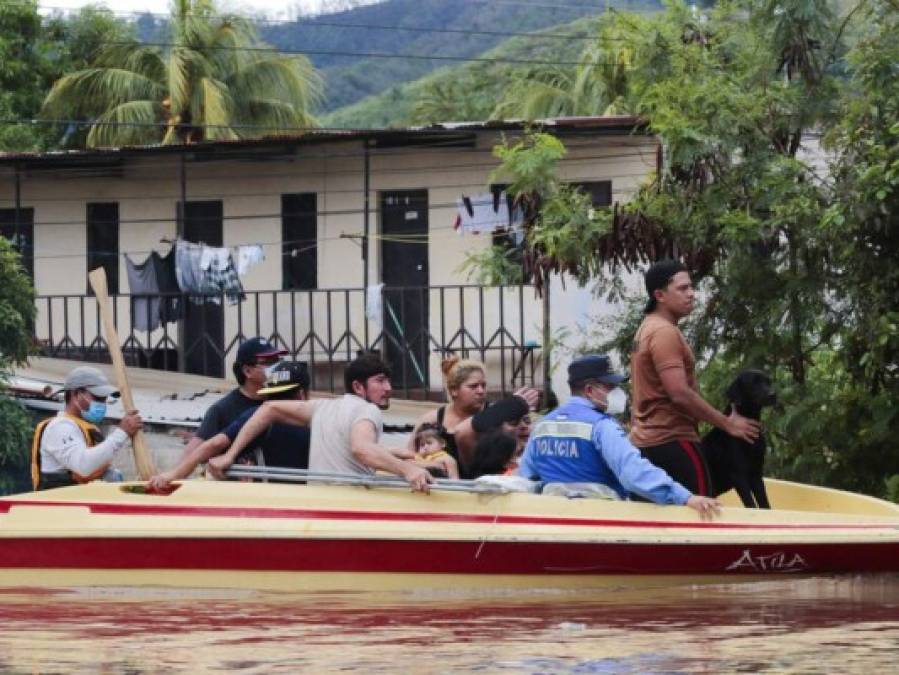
(817, 625)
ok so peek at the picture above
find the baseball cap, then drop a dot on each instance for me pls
(91, 379)
(288, 375)
(509, 409)
(658, 276)
(257, 348)
(593, 367)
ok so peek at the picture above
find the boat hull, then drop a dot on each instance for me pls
(332, 537)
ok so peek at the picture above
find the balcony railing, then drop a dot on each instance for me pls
(414, 328)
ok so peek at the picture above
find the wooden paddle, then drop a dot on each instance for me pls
(141, 455)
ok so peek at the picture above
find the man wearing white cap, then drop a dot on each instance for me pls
(69, 449)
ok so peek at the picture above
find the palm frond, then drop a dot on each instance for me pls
(207, 80)
(291, 79)
(147, 61)
(272, 117)
(211, 107)
(186, 68)
(129, 123)
(96, 89)
(541, 93)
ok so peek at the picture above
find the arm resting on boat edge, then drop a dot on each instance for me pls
(191, 459)
(365, 449)
(637, 474)
(298, 413)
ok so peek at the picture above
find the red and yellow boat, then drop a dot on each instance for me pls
(343, 537)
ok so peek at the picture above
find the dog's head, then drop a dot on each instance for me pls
(751, 390)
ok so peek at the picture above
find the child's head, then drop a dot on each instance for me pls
(492, 453)
(428, 439)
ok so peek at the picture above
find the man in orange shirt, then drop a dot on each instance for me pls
(666, 405)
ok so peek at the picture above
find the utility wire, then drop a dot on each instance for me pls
(382, 55)
(272, 216)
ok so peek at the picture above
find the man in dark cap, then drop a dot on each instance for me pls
(255, 359)
(582, 442)
(666, 403)
(283, 445)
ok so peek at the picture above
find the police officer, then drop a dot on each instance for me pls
(581, 442)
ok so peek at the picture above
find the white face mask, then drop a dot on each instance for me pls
(616, 401)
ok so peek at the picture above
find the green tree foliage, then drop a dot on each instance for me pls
(216, 82)
(796, 260)
(16, 317)
(862, 228)
(558, 217)
(24, 69)
(33, 53)
(597, 85)
(439, 28)
(465, 92)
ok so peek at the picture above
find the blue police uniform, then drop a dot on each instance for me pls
(576, 443)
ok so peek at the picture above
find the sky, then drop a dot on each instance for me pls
(282, 9)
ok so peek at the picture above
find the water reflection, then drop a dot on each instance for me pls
(807, 625)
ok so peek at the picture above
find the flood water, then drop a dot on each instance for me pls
(822, 625)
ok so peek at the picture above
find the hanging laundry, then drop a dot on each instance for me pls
(226, 280)
(214, 258)
(189, 274)
(374, 308)
(484, 212)
(170, 307)
(207, 272)
(247, 256)
(144, 288)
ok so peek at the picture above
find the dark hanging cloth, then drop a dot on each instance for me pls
(144, 288)
(170, 308)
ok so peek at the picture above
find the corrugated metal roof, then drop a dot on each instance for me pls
(409, 135)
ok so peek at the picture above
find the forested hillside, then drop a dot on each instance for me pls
(374, 50)
(449, 29)
(467, 91)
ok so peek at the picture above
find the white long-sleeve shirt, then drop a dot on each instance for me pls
(63, 448)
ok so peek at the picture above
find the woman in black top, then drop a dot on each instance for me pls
(466, 387)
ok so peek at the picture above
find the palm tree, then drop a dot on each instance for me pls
(213, 80)
(597, 85)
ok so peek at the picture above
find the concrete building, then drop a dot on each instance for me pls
(334, 211)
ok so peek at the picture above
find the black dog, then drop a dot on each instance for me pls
(732, 462)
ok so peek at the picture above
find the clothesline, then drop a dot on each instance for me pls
(422, 238)
(200, 271)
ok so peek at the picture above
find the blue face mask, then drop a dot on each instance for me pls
(95, 412)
